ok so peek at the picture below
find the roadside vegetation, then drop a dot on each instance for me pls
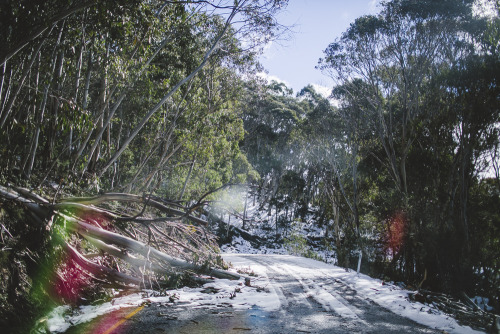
(118, 121)
(401, 162)
(123, 125)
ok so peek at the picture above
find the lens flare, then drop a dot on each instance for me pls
(61, 279)
(395, 233)
(69, 281)
(64, 280)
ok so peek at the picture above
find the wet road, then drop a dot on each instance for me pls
(311, 302)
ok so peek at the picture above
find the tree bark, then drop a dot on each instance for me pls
(141, 248)
(98, 270)
(134, 198)
(146, 118)
(38, 31)
(6, 111)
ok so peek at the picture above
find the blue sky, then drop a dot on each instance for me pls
(316, 24)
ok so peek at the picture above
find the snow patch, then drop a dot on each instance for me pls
(390, 297)
(240, 245)
(222, 291)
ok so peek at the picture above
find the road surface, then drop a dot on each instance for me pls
(310, 301)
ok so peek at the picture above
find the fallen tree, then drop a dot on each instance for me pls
(140, 244)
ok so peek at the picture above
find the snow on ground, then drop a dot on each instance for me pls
(211, 295)
(261, 223)
(390, 297)
(240, 245)
(329, 301)
(262, 294)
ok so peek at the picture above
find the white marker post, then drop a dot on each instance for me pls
(359, 261)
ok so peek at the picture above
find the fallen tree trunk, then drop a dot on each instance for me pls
(79, 206)
(100, 271)
(145, 200)
(86, 217)
(40, 211)
(141, 264)
(143, 249)
(125, 256)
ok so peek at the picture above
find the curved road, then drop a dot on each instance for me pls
(311, 302)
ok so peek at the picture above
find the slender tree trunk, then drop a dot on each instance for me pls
(355, 187)
(464, 196)
(34, 106)
(163, 160)
(245, 212)
(404, 184)
(94, 155)
(146, 118)
(7, 54)
(148, 156)
(76, 91)
(35, 141)
(56, 103)
(37, 133)
(4, 70)
(7, 93)
(117, 104)
(87, 81)
(193, 162)
(8, 108)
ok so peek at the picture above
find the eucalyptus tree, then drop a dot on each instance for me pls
(253, 15)
(79, 75)
(415, 76)
(327, 142)
(123, 95)
(395, 54)
(214, 135)
(270, 114)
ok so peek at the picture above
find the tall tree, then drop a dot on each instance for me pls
(407, 74)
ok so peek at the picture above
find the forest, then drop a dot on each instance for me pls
(123, 122)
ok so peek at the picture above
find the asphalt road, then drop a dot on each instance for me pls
(300, 312)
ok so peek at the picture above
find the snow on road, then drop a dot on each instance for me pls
(312, 274)
(330, 302)
(222, 292)
(282, 282)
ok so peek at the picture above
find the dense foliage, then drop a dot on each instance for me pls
(160, 98)
(136, 97)
(402, 162)
(126, 95)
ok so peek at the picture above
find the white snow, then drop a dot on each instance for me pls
(329, 301)
(267, 295)
(388, 296)
(221, 292)
(261, 223)
(240, 245)
(391, 297)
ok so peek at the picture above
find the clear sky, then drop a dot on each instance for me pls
(316, 24)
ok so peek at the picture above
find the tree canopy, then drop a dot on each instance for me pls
(121, 121)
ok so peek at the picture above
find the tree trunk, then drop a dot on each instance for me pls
(7, 54)
(32, 154)
(146, 118)
(20, 84)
